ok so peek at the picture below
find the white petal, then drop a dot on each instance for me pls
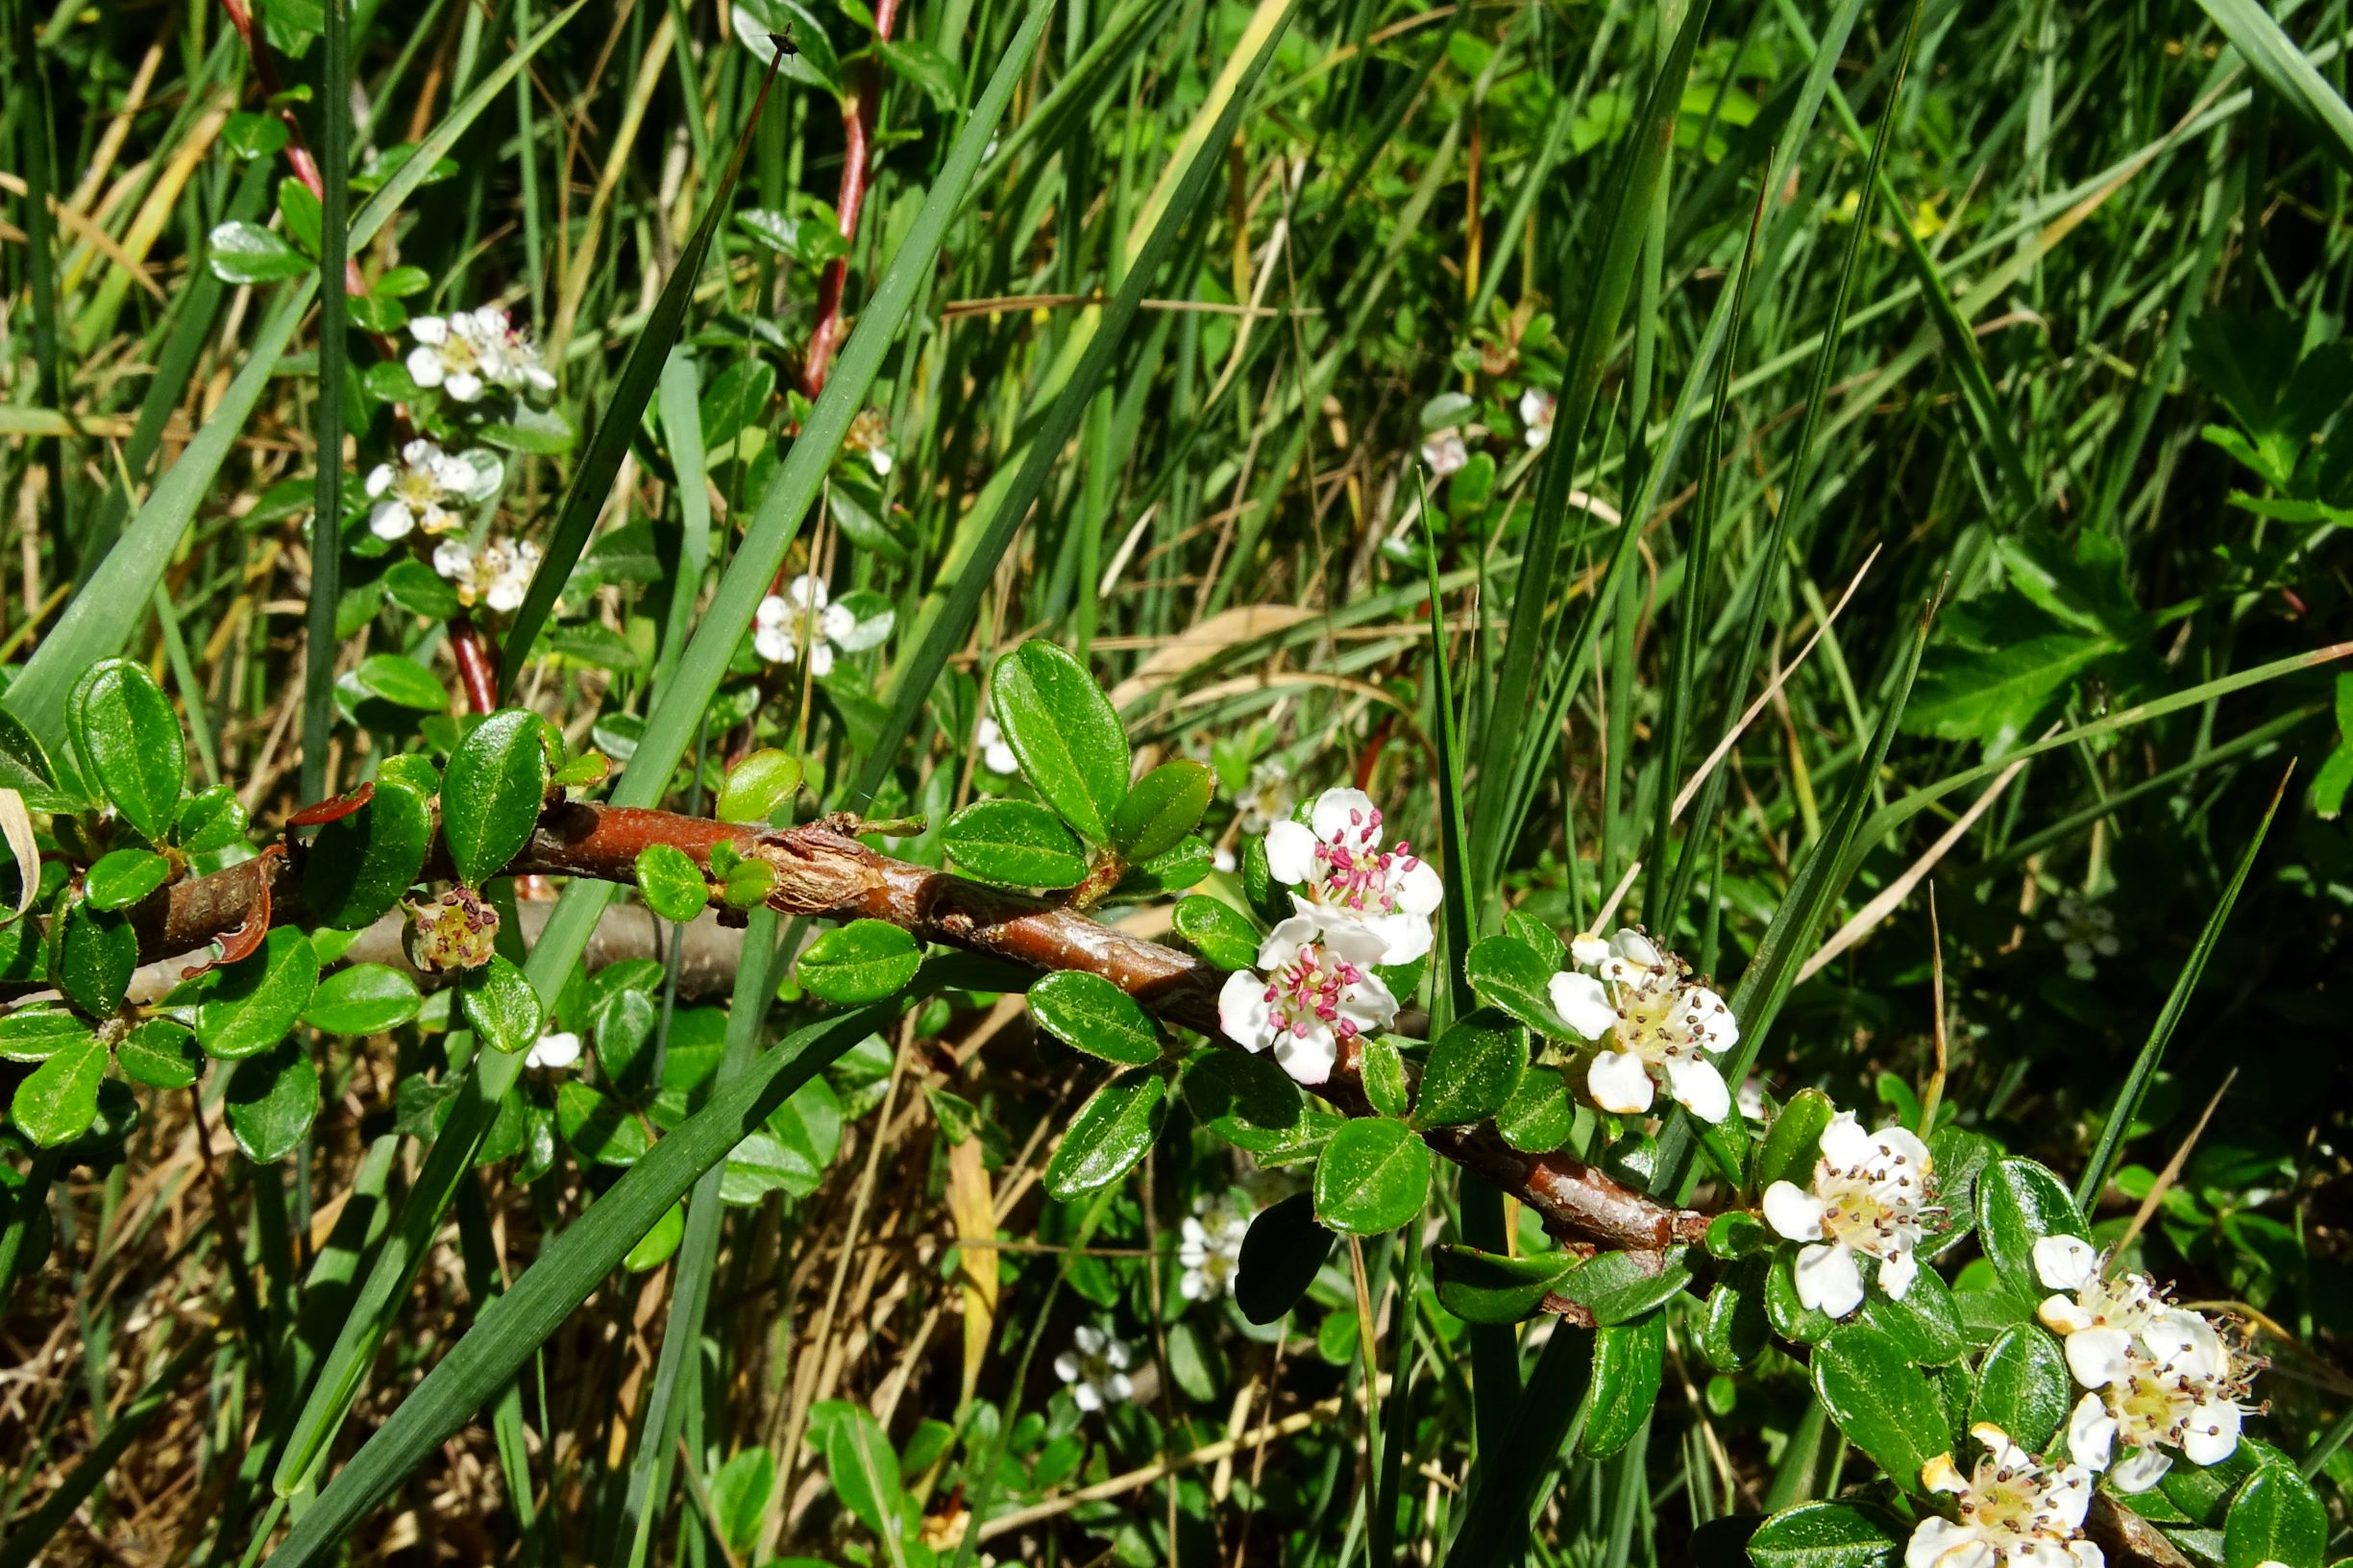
(2088, 1554)
(390, 520)
(1090, 1339)
(1282, 945)
(1896, 1272)
(2061, 1315)
(1901, 1140)
(2186, 1342)
(2091, 1432)
(1589, 949)
(1343, 812)
(2213, 1436)
(1404, 937)
(1420, 890)
(425, 366)
(1844, 1142)
(2066, 1263)
(1308, 1059)
(1368, 1004)
(836, 622)
(1700, 1088)
(1619, 1083)
(1827, 1279)
(1793, 1211)
(1942, 1475)
(2145, 1469)
(1939, 1543)
(1582, 1004)
(1087, 1397)
(465, 387)
(433, 330)
(807, 591)
(999, 759)
(1634, 948)
(2097, 1356)
(1243, 1011)
(820, 658)
(773, 644)
(1290, 852)
(1065, 1367)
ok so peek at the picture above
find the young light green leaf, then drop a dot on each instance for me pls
(739, 1493)
(1089, 1014)
(1072, 747)
(862, 962)
(127, 741)
(272, 1101)
(1472, 1071)
(57, 1102)
(503, 1008)
(247, 1006)
(1163, 806)
(491, 794)
(1384, 1072)
(757, 786)
(1373, 1176)
(401, 682)
(1110, 1133)
(122, 878)
(670, 883)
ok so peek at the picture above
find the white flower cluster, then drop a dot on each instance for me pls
(472, 352)
(1268, 798)
(1095, 1367)
(426, 487)
(2014, 1508)
(804, 621)
(2156, 1376)
(1357, 905)
(2083, 932)
(1210, 1250)
(497, 575)
(1654, 1022)
(1871, 1196)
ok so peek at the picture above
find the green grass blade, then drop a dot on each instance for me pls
(2113, 1131)
(320, 646)
(1504, 1482)
(682, 434)
(592, 479)
(2288, 71)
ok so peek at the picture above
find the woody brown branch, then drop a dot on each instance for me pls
(824, 873)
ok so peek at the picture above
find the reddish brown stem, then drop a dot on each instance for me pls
(857, 151)
(477, 663)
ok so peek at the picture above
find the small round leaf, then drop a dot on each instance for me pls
(670, 883)
(862, 962)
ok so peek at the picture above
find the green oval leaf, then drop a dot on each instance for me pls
(1162, 808)
(247, 1006)
(401, 682)
(1880, 1401)
(1472, 1071)
(502, 1007)
(1282, 1253)
(1019, 844)
(1539, 1116)
(37, 1033)
(1825, 1536)
(1925, 1322)
(1110, 1134)
(1620, 1287)
(128, 738)
(1218, 932)
(1508, 975)
(359, 866)
(1488, 1287)
(363, 999)
(1382, 1068)
(862, 962)
(598, 1128)
(161, 1054)
(1629, 1363)
(1252, 1104)
(246, 253)
(1087, 1012)
(210, 821)
(671, 883)
(2024, 1386)
(1793, 1143)
(1178, 868)
(272, 1101)
(2020, 1202)
(1792, 1319)
(1734, 1331)
(2276, 1517)
(1071, 746)
(491, 792)
(123, 877)
(58, 1101)
(1373, 1176)
(654, 1247)
(91, 957)
(760, 784)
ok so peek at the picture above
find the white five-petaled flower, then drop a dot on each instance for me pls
(989, 740)
(1870, 1198)
(2173, 1384)
(497, 575)
(1210, 1250)
(555, 1051)
(1310, 993)
(2083, 932)
(870, 435)
(1341, 879)
(2087, 1300)
(1653, 1021)
(1268, 798)
(1536, 406)
(473, 351)
(1095, 1367)
(418, 490)
(2014, 1510)
(802, 619)
(1444, 452)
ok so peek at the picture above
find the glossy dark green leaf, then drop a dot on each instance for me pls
(1925, 1322)
(246, 253)
(1539, 1116)
(2276, 1517)
(272, 1101)
(757, 787)
(670, 883)
(1734, 1330)
(1508, 975)
(1736, 1232)
(24, 765)
(1488, 1287)
(1252, 1104)
(1162, 808)
(122, 878)
(491, 792)
(1089, 1014)
(1219, 931)
(127, 741)
(1171, 871)
(1110, 1133)
(1282, 1253)
(1017, 844)
(1791, 1319)
(505, 1011)
(1071, 742)
(2020, 1202)
(1827, 1536)
(247, 1006)
(1472, 1071)
(599, 1127)
(2024, 1386)
(1793, 1143)
(1382, 1068)
(420, 590)
(91, 957)
(1620, 1287)
(161, 1054)
(57, 1101)
(1880, 1401)
(359, 866)
(210, 821)
(1373, 1176)
(363, 999)
(862, 962)
(1629, 1363)
(36, 1033)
